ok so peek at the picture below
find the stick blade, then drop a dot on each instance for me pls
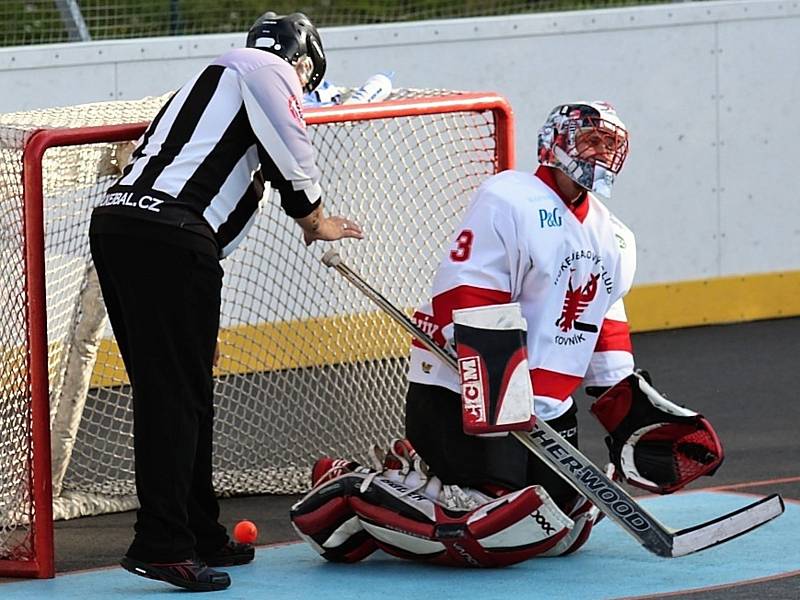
(727, 527)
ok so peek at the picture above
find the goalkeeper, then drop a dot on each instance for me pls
(546, 241)
(186, 200)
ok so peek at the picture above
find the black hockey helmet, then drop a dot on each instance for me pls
(292, 37)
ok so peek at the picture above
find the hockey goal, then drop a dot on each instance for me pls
(308, 366)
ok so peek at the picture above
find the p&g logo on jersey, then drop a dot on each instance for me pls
(469, 370)
(549, 218)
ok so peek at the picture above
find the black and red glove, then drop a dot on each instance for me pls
(654, 444)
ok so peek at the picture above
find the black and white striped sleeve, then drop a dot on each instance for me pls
(272, 98)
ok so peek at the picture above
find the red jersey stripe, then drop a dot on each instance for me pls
(462, 296)
(552, 384)
(614, 335)
(465, 296)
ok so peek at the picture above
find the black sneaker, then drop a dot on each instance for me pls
(189, 574)
(231, 554)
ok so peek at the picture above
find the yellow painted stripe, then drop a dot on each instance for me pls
(714, 301)
(328, 341)
(13, 373)
(287, 345)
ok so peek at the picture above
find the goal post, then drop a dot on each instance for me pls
(307, 367)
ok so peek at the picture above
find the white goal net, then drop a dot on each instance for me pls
(308, 366)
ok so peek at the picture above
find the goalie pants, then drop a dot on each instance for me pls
(433, 426)
(163, 301)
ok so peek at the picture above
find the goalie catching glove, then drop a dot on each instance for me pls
(654, 444)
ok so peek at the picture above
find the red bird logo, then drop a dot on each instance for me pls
(575, 302)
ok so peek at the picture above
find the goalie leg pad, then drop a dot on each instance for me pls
(585, 515)
(325, 520)
(655, 444)
(497, 533)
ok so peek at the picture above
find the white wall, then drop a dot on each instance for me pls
(708, 90)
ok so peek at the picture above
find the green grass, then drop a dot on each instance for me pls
(39, 22)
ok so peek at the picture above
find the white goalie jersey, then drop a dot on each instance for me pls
(519, 242)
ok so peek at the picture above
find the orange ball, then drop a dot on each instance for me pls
(245, 532)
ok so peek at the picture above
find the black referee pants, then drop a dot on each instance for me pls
(163, 302)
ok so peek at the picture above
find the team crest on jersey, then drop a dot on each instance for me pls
(580, 292)
(577, 298)
(296, 110)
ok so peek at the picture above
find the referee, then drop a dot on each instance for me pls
(185, 201)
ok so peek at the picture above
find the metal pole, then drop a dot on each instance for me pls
(73, 20)
(174, 17)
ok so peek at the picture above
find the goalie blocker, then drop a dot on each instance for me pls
(655, 444)
(496, 391)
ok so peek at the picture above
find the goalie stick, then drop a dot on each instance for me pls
(586, 477)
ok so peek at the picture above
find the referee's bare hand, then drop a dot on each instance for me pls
(333, 228)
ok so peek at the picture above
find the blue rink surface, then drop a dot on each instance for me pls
(610, 565)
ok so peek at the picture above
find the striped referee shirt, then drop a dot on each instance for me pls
(206, 156)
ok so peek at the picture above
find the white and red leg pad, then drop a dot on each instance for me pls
(585, 515)
(325, 519)
(499, 532)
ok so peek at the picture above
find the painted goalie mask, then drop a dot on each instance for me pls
(587, 141)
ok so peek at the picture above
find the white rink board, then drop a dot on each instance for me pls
(707, 90)
(758, 137)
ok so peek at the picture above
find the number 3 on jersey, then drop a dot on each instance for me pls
(463, 246)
